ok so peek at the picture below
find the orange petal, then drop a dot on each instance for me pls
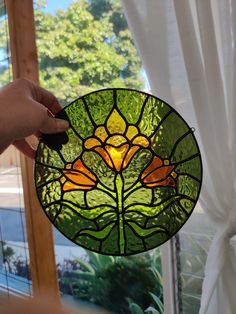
(78, 165)
(116, 140)
(131, 132)
(116, 123)
(129, 155)
(68, 186)
(105, 156)
(156, 163)
(77, 177)
(167, 182)
(91, 143)
(141, 141)
(117, 154)
(101, 133)
(158, 174)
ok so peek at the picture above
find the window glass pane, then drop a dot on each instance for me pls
(85, 46)
(195, 239)
(14, 259)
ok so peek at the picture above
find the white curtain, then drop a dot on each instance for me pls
(188, 51)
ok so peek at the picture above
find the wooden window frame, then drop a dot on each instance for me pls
(39, 230)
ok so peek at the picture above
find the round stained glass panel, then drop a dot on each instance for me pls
(124, 178)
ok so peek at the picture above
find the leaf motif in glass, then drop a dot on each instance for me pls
(124, 178)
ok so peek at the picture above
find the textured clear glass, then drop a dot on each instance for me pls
(124, 178)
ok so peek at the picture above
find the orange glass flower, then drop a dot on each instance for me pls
(159, 173)
(116, 142)
(77, 176)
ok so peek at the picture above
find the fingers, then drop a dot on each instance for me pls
(47, 99)
(38, 134)
(25, 148)
(53, 125)
(40, 95)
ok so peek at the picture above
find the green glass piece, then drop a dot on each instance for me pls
(48, 157)
(138, 163)
(76, 197)
(100, 197)
(130, 104)
(191, 167)
(154, 111)
(50, 193)
(142, 232)
(166, 137)
(95, 162)
(124, 178)
(90, 214)
(152, 211)
(100, 235)
(73, 148)
(100, 105)
(79, 118)
(46, 175)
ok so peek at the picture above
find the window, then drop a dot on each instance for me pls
(85, 46)
(14, 265)
(194, 242)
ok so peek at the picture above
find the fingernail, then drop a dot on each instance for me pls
(63, 124)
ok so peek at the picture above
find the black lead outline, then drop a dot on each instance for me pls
(68, 179)
(173, 110)
(142, 110)
(86, 209)
(178, 141)
(115, 99)
(75, 212)
(167, 206)
(88, 112)
(76, 133)
(188, 175)
(187, 159)
(70, 170)
(91, 236)
(153, 233)
(160, 123)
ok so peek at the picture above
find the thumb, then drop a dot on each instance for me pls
(54, 125)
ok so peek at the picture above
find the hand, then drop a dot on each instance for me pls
(26, 109)
(42, 305)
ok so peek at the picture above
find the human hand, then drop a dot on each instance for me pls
(26, 109)
(45, 305)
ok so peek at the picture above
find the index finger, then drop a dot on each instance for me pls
(46, 98)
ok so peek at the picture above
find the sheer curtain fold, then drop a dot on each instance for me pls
(187, 45)
(140, 15)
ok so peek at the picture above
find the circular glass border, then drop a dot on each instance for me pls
(59, 139)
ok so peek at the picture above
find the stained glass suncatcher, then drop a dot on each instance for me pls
(124, 178)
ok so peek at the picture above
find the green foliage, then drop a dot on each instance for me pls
(110, 9)
(119, 284)
(7, 251)
(14, 264)
(5, 64)
(85, 47)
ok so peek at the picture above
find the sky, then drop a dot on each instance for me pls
(54, 5)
